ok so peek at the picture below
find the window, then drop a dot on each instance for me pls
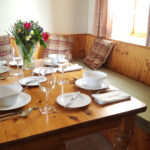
(129, 20)
(140, 18)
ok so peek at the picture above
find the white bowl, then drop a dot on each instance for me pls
(9, 94)
(53, 58)
(94, 78)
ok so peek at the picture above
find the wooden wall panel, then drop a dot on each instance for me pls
(128, 59)
(79, 45)
(89, 43)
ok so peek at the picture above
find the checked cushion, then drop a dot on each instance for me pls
(5, 48)
(99, 53)
(59, 43)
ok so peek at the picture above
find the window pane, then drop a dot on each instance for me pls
(141, 16)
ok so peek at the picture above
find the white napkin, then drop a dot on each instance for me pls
(2, 62)
(110, 97)
(71, 68)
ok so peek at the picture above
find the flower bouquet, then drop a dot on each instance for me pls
(27, 35)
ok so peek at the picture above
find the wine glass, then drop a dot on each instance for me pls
(15, 61)
(47, 86)
(62, 62)
(18, 61)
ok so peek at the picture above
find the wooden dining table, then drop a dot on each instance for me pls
(51, 131)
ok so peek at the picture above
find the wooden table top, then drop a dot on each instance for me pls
(37, 124)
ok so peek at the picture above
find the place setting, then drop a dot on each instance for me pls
(73, 100)
(51, 60)
(100, 89)
(13, 67)
(17, 61)
(12, 97)
(91, 81)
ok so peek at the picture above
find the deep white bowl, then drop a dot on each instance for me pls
(53, 58)
(94, 78)
(9, 94)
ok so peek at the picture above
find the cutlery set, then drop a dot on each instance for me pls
(16, 114)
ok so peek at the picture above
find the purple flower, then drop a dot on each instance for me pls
(41, 29)
(29, 30)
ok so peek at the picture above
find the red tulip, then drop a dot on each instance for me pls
(45, 36)
(27, 25)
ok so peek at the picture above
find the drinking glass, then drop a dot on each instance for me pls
(63, 62)
(46, 87)
(18, 61)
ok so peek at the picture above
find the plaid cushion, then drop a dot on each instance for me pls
(5, 48)
(99, 53)
(58, 43)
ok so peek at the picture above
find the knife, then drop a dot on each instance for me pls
(11, 113)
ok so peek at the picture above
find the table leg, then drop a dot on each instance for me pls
(124, 133)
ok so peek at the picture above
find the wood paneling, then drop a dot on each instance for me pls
(79, 45)
(89, 43)
(131, 60)
(128, 59)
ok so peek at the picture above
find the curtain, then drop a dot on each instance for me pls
(102, 21)
(113, 18)
(148, 30)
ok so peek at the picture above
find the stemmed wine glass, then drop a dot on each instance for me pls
(46, 87)
(18, 61)
(62, 62)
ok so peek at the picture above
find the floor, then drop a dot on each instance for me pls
(94, 141)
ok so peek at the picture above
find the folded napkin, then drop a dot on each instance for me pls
(2, 62)
(110, 97)
(71, 68)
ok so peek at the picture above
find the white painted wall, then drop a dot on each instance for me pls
(91, 15)
(57, 16)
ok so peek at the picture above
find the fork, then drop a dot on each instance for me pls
(73, 98)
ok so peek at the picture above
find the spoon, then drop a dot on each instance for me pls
(26, 112)
(23, 113)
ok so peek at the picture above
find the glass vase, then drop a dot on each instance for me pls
(27, 54)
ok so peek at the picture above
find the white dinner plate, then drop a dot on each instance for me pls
(81, 83)
(50, 70)
(22, 100)
(14, 63)
(81, 100)
(31, 81)
(4, 69)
